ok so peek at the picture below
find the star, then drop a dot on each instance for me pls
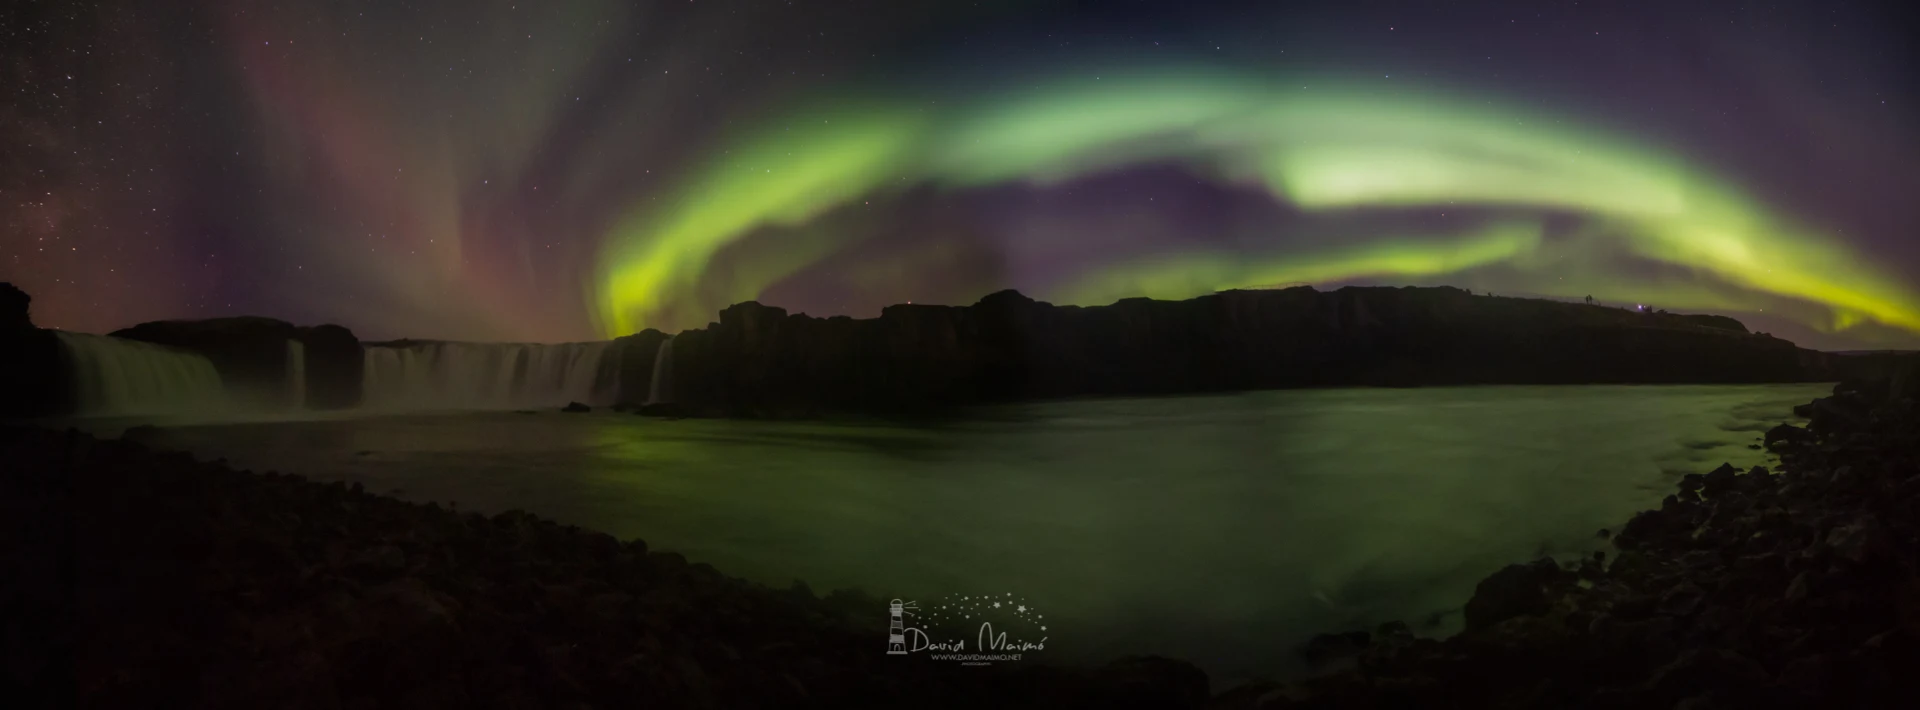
(996, 605)
(1022, 609)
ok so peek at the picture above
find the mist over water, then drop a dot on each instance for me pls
(444, 376)
(117, 376)
(1224, 530)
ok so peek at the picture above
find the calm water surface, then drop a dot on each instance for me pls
(1220, 529)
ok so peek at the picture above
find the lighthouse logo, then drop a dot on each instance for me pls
(973, 630)
(896, 627)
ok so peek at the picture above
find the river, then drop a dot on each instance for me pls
(1224, 530)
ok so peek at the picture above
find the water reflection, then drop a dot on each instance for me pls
(1221, 529)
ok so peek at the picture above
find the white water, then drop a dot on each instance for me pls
(479, 376)
(660, 389)
(296, 375)
(118, 377)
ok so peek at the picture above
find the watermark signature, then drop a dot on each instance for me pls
(944, 630)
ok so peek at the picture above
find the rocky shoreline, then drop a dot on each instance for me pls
(152, 579)
(1796, 588)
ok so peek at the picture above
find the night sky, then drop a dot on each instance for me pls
(570, 170)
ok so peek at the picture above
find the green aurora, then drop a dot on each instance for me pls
(1327, 148)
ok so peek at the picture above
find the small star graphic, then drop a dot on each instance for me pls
(996, 605)
(1022, 609)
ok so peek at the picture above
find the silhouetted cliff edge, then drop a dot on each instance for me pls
(250, 354)
(34, 376)
(759, 360)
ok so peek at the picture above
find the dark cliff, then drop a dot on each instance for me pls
(637, 353)
(251, 355)
(759, 360)
(33, 371)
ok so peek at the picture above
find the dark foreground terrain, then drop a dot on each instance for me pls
(144, 578)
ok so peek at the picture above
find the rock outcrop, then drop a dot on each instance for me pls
(335, 364)
(251, 355)
(15, 308)
(637, 353)
(35, 379)
(759, 360)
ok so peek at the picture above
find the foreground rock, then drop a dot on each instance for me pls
(1756, 589)
(144, 579)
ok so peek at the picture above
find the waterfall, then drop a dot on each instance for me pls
(660, 389)
(455, 376)
(116, 376)
(296, 374)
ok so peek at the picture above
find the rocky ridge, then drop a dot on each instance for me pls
(759, 360)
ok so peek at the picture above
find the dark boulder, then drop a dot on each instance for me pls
(1720, 481)
(1647, 527)
(1516, 590)
(576, 408)
(1786, 435)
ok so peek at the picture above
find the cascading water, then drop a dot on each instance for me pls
(120, 377)
(454, 376)
(296, 375)
(660, 388)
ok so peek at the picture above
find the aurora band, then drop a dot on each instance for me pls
(1319, 149)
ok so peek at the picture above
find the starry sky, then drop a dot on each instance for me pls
(577, 169)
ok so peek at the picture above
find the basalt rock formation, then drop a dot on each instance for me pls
(760, 360)
(251, 355)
